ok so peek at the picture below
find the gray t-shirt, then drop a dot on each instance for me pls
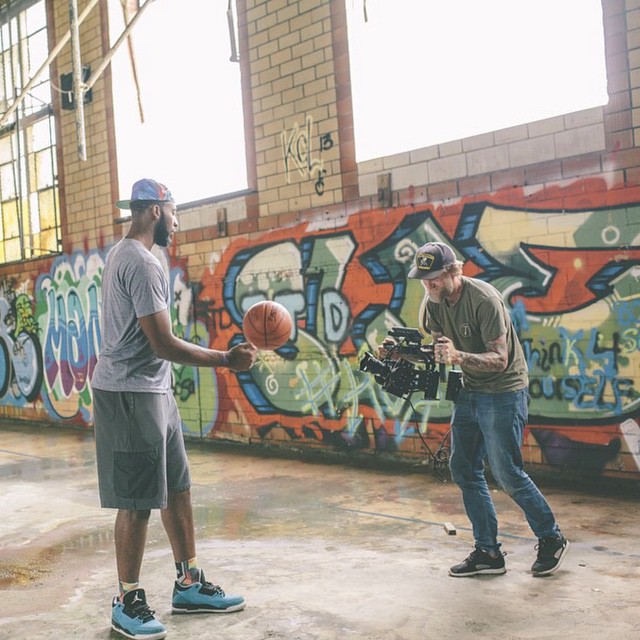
(133, 286)
(478, 317)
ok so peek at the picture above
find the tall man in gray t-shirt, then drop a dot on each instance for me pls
(471, 328)
(141, 457)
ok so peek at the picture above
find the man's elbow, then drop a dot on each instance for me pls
(162, 350)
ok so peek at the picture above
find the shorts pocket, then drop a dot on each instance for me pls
(105, 406)
(135, 475)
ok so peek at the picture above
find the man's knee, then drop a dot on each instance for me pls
(461, 474)
(510, 480)
(134, 516)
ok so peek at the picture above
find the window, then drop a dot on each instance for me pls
(192, 137)
(30, 218)
(424, 73)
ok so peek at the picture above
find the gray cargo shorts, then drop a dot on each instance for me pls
(140, 449)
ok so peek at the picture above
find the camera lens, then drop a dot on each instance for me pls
(369, 364)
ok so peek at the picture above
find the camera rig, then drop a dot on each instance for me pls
(409, 366)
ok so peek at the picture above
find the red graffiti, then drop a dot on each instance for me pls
(571, 286)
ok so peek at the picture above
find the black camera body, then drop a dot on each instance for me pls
(402, 377)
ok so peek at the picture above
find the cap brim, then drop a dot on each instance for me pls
(420, 275)
(123, 204)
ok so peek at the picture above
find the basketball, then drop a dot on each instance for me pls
(267, 325)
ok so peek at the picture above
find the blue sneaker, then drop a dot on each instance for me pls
(133, 618)
(204, 597)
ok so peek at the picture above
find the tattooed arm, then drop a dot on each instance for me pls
(495, 358)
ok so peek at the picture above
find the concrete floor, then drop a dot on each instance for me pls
(320, 551)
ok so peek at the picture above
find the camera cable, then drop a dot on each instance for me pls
(443, 452)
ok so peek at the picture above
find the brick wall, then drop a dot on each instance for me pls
(294, 76)
(548, 211)
(546, 141)
(87, 186)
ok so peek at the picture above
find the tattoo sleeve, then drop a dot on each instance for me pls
(495, 358)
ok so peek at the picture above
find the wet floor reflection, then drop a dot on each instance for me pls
(34, 455)
(20, 565)
(296, 537)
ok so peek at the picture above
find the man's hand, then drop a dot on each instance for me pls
(495, 358)
(241, 357)
(385, 348)
(445, 352)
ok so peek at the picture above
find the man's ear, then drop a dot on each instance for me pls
(156, 211)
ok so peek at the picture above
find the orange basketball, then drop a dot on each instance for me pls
(267, 324)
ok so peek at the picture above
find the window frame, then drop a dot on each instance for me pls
(30, 205)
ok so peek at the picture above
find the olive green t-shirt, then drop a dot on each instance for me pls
(478, 317)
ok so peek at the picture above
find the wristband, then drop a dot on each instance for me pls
(225, 359)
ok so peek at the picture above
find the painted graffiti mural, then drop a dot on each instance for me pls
(195, 389)
(571, 278)
(68, 315)
(49, 356)
(20, 351)
(568, 267)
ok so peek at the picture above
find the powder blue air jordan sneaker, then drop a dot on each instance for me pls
(204, 597)
(133, 619)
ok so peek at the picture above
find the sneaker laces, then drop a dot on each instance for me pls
(142, 610)
(212, 589)
(474, 555)
(476, 552)
(209, 588)
(545, 547)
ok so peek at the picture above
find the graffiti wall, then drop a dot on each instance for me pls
(567, 264)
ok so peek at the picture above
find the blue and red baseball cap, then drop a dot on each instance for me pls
(146, 190)
(432, 259)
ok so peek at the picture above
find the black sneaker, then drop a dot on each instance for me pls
(479, 562)
(551, 551)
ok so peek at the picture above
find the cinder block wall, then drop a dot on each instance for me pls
(294, 76)
(547, 211)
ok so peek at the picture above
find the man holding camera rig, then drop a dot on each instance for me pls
(471, 328)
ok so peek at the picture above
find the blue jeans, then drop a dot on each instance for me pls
(492, 425)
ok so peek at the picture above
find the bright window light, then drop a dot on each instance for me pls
(192, 138)
(426, 72)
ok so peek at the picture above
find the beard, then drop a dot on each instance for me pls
(443, 293)
(161, 233)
